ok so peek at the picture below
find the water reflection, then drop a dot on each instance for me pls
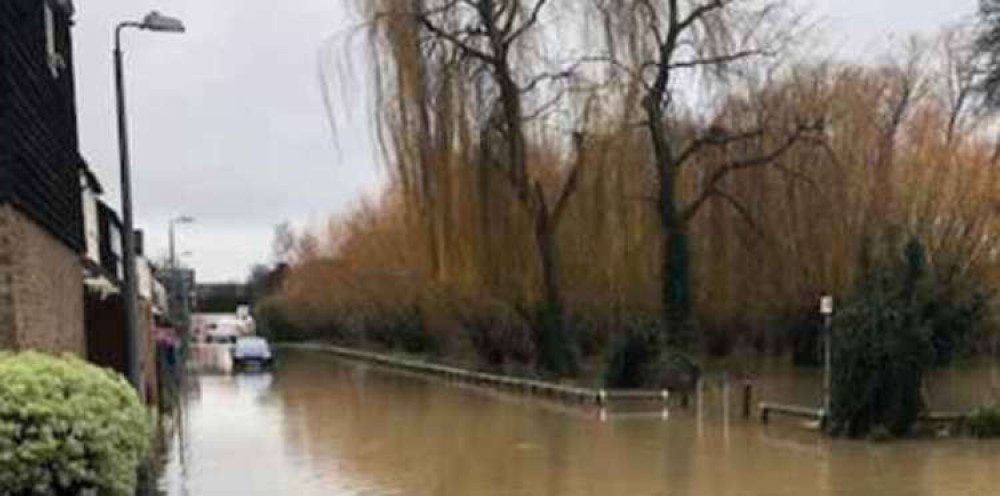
(319, 425)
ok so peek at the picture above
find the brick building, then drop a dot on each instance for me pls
(41, 220)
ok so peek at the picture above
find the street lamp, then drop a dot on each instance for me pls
(153, 21)
(184, 219)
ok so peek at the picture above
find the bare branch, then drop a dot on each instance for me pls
(719, 60)
(456, 41)
(715, 139)
(545, 107)
(699, 12)
(529, 23)
(689, 211)
(740, 209)
(548, 76)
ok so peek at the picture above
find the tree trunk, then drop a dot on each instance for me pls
(510, 99)
(555, 351)
(677, 295)
(676, 260)
(547, 256)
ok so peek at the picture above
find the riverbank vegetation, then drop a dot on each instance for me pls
(611, 189)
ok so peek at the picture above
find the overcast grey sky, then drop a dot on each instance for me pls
(228, 123)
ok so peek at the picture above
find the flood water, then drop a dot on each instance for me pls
(319, 425)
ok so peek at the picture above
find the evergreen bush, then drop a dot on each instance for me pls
(904, 317)
(68, 427)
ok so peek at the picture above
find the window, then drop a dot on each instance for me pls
(56, 60)
(116, 250)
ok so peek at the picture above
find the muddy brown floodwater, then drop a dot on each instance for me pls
(319, 425)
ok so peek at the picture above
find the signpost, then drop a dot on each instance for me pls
(826, 310)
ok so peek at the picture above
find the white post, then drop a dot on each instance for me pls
(826, 310)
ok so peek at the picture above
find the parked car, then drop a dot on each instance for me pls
(221, 336)
(252, 351)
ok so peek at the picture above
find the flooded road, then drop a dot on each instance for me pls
(319, 425)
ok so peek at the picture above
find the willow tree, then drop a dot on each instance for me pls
(413, 121)
(669, 50)
(450, 68)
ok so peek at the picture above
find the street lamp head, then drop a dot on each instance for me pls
(155, 21)
(184, 219)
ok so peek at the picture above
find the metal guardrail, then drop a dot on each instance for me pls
(957, 417)
(767, 409)
(563, 392)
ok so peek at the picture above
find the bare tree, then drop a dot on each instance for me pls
(283, 243)
(479, 50)
(958, 77)
(666, 47)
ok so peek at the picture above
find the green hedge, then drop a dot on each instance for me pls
(67, 427)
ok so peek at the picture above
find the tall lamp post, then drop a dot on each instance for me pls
(177, 281)
(184, 219)
(153, 21)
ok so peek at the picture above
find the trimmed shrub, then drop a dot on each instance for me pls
(984, 421)
(67, 427)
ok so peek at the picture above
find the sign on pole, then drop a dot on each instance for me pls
(826, 305)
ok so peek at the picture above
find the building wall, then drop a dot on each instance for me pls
(39, 156)
(41, 220)
(41, 288)
(8, 329)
